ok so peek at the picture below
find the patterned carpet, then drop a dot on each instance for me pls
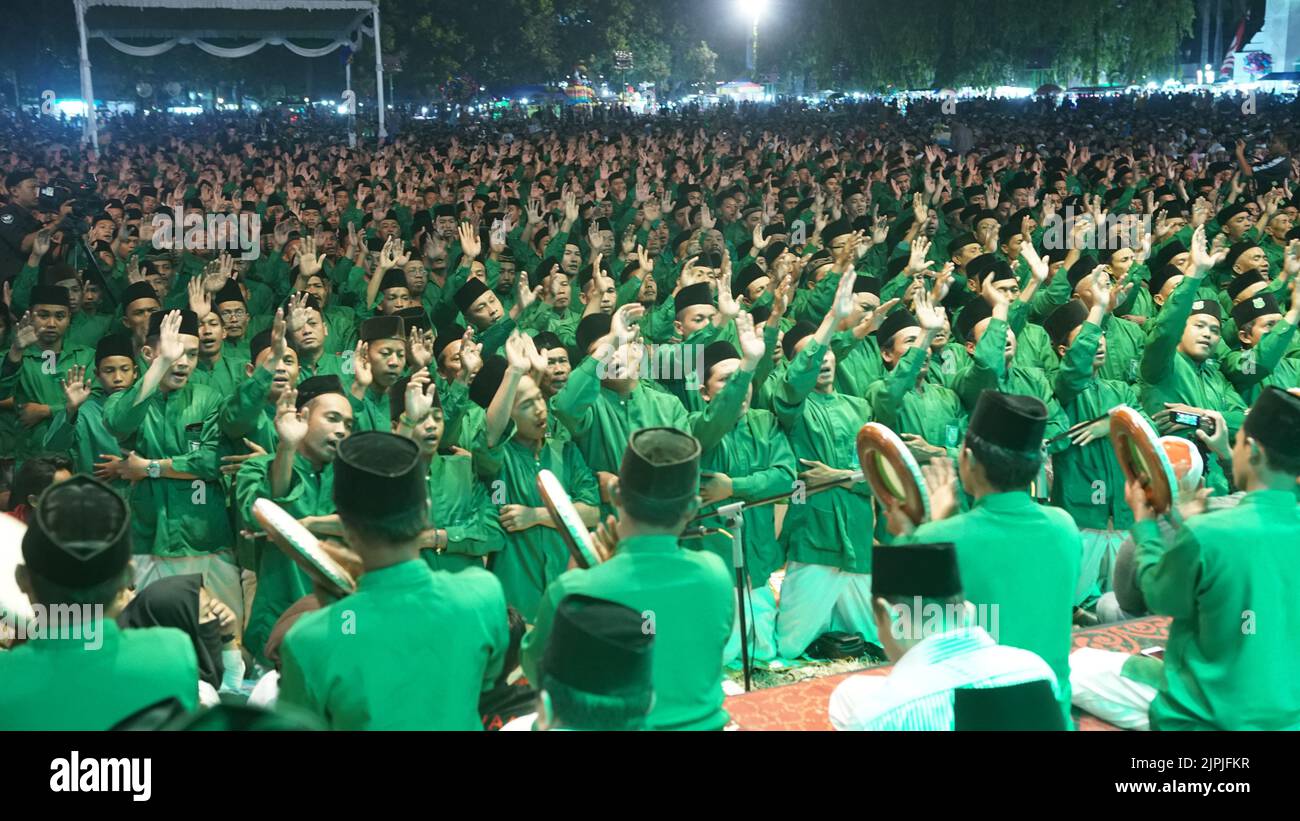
(802, 706)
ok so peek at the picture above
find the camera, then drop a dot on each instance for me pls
(1194, 420)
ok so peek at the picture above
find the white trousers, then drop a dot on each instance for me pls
(816, 599)
(1099, 687)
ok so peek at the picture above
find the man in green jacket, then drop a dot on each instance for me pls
(412, 648)
(78, 429)
(83, 673)
(1018, 559)
(684, 596)
(1226, 578)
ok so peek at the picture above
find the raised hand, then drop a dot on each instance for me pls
(200, 301)
(76, 388)
(752, 346)
(289, 426)
(469, 241)
(420, 343)
(420, 392)
(362, 375)
(170, 346)
(471, 353)
(842, 306)
(309, 263)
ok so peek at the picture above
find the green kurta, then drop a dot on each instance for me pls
(86, 439)
(531, 559)
(1228, 580)
(39, 379)
(1169, 375)
(857, 363)
(1125, 342)
(247, 413)
(280, 582)
(174, 517)
(224, 375)
(931, 411)
(686, 598)
(87, 329)
(1087, 481)
(831, 528)
(1026, 583)
(1250, 371)
(460, 504)
(601, 420)
(412, 649)
(61, 684)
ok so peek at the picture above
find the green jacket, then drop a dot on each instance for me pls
(1253, 369)
(834, 527)
(412, 649)
(685, 598)
(1027, 583)
(1228, 580)
(39, 379)
(174, 517)
(63, 684)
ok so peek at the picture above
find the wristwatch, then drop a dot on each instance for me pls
(154, 470)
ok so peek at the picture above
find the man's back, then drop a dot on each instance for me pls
(73, 684)
(1020, 562)
(686, 598)
(412, 649)
(1229, 582)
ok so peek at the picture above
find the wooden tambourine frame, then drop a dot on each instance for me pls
(1142, 457)
(303, 548)
(570, 524)
(892, 471)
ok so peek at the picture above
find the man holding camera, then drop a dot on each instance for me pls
(18, 225)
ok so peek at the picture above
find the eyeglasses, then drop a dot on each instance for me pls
(237, 313)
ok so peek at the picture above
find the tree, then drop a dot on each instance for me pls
(700, 63)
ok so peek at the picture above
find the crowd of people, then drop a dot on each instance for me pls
(670, 315)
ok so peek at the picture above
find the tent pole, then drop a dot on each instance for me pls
(379, 77)
(352, 104)
(87, 89)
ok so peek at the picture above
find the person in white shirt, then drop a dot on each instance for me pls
(929, 631)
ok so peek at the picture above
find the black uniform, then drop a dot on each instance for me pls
(16, 222)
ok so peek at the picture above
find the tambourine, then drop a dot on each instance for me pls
(300, 545)
(1142, 457)
(892, 471)
(15, 607)
(571, 528)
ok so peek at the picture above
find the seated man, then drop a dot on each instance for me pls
(596, 671)
(87, 674)
(1227, 579)
(929, 632)
(683, 596)
(412, 648)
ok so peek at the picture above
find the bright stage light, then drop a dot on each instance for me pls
(752, 9)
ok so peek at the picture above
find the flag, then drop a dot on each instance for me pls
(1229, 59)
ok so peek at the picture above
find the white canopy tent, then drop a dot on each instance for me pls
(340, 23)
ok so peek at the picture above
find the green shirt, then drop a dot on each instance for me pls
(63, 684)
(685, 597)
(38, 379)
(412, 649)
(1030, 579)
(834, 527)
(86, 439)
(224, 375)
(174, 517)
(1228, 580)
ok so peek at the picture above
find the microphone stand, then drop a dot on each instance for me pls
(733, 524)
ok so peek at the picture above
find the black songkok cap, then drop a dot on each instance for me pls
(961, 241)
(697, 294)
(974, 312)
(50, 295)
(1064, 320)
(447, 334)
(1162, 275)
(1242, 282)
(1228, 213)
(393, 278)
(1274, 422)
(468, 293)
(1209, 307)
(866, 285)
(925, 570)
(1236, 250)
(139, 290)
(660, 465)
(488, 380)
(230, 292)
(1167, 253)
(599, 647)
(114, 345)
(315, 386)
(382, 327)
(803, 328)
(590, 328)
(1027, 707)
(415, 317)
(1251, 309)
(751, 274)
(897, 321)
(378, 474)
(716, 352)
(189, 323)
(79, 534)
(1010, 421)
(1080, 269)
